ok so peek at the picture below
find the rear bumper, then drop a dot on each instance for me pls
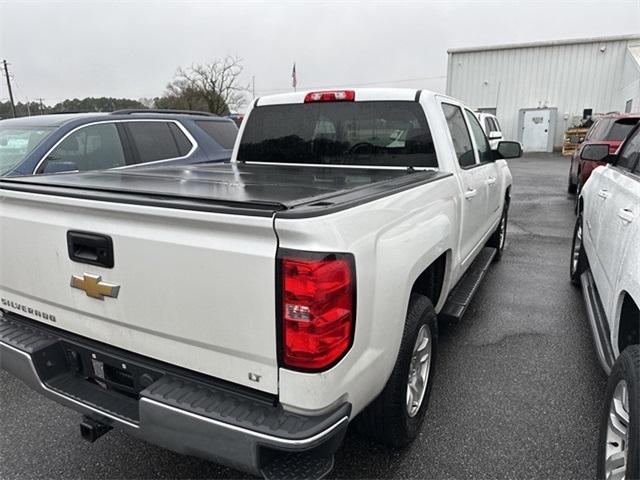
(208, 420)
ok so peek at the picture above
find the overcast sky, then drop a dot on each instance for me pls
(67, 49)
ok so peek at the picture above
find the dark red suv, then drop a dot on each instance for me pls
(610, 129)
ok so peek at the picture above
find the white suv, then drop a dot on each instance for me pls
(605, 260)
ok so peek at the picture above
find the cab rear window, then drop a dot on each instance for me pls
(378, 133)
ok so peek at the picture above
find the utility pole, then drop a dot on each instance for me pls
(28, 107)
(253, 86)
(6, 72)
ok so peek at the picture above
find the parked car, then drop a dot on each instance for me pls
(491, 128)
(97, 141)
(237, 118)
(608, 129)
(284, 294)
(605, 260)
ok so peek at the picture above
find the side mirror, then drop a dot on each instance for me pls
(508, 150)
(494, 135)
(60, 167)
(595, 152)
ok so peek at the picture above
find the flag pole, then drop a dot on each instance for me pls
(294, 78)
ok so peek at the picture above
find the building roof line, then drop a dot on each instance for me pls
(550, 43)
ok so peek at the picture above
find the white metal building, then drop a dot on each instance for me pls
(537, 90)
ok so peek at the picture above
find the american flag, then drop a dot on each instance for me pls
(294, 78)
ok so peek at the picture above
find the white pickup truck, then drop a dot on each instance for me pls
(247, 312)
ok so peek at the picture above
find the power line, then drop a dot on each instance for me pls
(362, 84)
(6, 72)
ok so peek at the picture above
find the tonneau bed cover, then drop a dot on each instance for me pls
(231, 187)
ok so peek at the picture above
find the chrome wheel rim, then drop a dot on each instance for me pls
(503, 231)
(615, 456)
(419, 371)
(577, 245)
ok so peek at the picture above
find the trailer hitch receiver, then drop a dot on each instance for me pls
(91, 429)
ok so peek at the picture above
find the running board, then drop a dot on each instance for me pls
(462, 294)
(597, 321)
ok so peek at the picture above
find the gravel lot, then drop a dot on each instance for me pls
(517, 389)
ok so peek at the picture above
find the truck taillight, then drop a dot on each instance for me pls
(317, 302)
(330, 96)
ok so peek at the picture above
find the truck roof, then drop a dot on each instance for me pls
(362, 94)
(230, 187)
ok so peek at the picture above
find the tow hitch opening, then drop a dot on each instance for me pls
(91, 429)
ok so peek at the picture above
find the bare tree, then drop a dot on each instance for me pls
(215, 86)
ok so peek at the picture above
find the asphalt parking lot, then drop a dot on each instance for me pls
(517, 389)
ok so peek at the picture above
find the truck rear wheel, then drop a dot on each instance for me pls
(571, 187)
(394, 418)
(619, 445)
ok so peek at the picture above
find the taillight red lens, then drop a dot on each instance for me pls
(317, 304)
(331, 96)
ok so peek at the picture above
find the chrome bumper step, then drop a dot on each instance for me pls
(184, 413)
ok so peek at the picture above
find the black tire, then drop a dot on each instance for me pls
(578, 262)
(627, 369)
(499, 238)
(571, 187)
(578, 190)
(386, 420)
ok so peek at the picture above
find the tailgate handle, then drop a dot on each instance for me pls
(90, 248)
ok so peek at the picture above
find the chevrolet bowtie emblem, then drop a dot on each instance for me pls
(94, 287)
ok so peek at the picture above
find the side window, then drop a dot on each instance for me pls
(94, 147)
(482, 144)
(183, 143)
(591, 130)
(223, 133)
(630, 153)
(488, 127)
(459, 134)
(599, 130)
(497, 125)
(153, 141)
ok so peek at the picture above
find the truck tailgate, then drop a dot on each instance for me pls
(200, 295)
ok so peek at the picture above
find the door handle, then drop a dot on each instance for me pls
(604, 193)
(470, 193)
(626, 215)
(491, 180)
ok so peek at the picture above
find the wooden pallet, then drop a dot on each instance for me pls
(573, 137)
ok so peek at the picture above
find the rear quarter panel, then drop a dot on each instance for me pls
(629, 284)
(393, 240)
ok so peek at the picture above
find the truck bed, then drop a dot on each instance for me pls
(250, 189)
